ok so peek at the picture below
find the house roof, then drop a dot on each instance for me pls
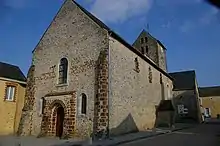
(209, 91)
(11, 72)
(184, 80)
(120, 39)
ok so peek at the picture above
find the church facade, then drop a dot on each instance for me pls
(85, 80)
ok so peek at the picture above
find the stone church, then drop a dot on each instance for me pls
(85, 80)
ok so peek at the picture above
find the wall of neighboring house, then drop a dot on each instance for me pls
(132, 98)
(198, 100)
(212, 104)
(186, 106)
(10, 111)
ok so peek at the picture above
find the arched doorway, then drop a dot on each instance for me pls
(59, 121)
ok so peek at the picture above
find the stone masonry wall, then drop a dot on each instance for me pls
(76, 37)
(25, 124)
(188, 98)
(134, 95)
(155, 51)
(51, 103)
(101, 117)
(152, 46)
(162, 61)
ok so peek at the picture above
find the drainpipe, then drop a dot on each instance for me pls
(16, 108)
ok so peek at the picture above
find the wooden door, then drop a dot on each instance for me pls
(59, 121)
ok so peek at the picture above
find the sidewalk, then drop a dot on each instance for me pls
(33, 141)
(140, 135)
(177, 127)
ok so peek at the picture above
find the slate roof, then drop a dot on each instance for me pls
(120, 39)
(11, 72)
(184, 80)
(209, 91)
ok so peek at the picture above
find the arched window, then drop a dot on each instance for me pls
(84, 104)
(63, 71)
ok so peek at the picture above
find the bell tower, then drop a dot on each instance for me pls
(151, 48)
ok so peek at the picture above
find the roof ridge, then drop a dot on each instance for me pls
(183, 71)
(217, 86)
(9, 64)
(113, 33)
(92, 16)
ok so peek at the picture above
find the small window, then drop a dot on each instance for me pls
(63, 71)
(136, 65)
(146, 39)
(207, 112)
(150, 75)
(161, 79)
(41, 105)
(146, 49)
(142, 50)
(10, 93)
(84, 104)
(142, 40)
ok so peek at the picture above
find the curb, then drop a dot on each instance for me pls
(135, 139)
(183, 128)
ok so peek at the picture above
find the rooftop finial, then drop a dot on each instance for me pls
(148, 27)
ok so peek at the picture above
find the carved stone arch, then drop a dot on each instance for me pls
(54, 106)
(57, 103)
(50, 112)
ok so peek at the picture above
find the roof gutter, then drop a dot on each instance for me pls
(12, 80)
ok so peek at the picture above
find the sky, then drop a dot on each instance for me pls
(188, 28)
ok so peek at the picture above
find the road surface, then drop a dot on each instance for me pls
(201, 135)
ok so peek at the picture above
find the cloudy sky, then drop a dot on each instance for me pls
(188, 28)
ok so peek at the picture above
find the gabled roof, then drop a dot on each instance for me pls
(11, 72)
(209, 91)
(184, 80)
(117, 37)
(120, 39)
(91, 16)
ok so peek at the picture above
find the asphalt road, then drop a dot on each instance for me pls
(201, 135)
